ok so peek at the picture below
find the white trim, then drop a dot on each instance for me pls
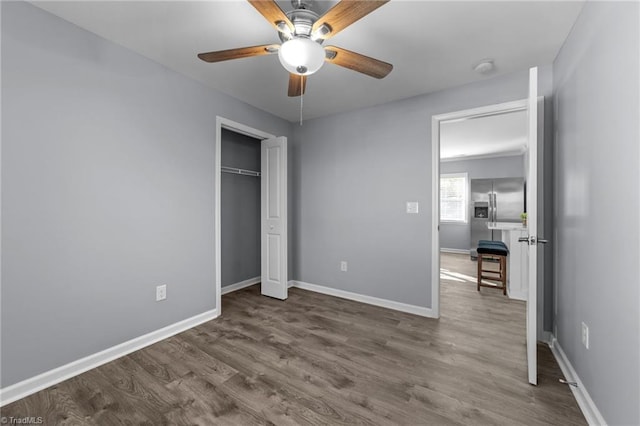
(223, 123)
(236, 127)
(586, 404)
(390, 304)
(240, 285)
(435, 216)
(454, 251)
(484, 156)
(517, 295)
(436, 120)
(49, 378)
(483, 111)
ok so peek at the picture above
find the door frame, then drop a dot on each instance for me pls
(436, 121)
(224, 123)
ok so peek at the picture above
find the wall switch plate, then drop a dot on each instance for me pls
(585, 335)
(343, 266)
(412, 207)
(161, 292)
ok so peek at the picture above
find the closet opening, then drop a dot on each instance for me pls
(240, 195)
(250, 211)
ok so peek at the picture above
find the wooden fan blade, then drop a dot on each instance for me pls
(357, 62)
(272, 13)
(242, 52)
(297, 84)
(344, 14)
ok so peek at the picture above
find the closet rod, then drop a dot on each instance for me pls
(238, 171)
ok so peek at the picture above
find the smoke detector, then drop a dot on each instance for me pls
(484, 67)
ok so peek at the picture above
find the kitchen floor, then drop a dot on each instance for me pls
(459, 268)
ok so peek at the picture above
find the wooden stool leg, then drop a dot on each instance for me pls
(503, 273)
(479, 270)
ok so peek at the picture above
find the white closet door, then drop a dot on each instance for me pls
(274, 217)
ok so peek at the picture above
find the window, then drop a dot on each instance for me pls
(453, 198)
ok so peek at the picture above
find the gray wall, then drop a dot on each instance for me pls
(354, 173)
(107, 191)
(458, 235)
(240, 209)
(596, 78)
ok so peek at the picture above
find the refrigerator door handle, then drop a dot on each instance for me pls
(490, 194)
(495, 208)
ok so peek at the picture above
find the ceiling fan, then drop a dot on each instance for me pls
(302, 32)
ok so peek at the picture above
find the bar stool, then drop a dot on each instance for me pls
(492, 250)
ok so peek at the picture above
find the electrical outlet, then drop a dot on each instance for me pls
(585, 335)
(343, 266)
(161, 292)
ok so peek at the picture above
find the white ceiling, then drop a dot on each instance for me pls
(494, 135)
(433, 45)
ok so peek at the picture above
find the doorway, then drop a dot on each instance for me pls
(261, 158)
(529, 242)
(507, 316)
(482, 196)
(437, 122)
(240, 211)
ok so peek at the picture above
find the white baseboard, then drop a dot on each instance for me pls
(49, 378)
(390, 304)
(239, 286)
(455, 251)
(586, 404)
(517, 295)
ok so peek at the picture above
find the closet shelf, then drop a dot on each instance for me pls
(237, 171)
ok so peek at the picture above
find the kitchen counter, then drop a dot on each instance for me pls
(507, 226)
(518, 259)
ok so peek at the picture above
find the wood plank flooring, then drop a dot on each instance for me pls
(316, 359)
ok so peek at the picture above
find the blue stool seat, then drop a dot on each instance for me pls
(490, 242)
(497, 248)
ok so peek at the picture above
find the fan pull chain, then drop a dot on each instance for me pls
(301, 96)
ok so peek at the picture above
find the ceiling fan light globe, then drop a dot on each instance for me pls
(301, 56)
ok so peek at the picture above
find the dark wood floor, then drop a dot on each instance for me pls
(315, 359)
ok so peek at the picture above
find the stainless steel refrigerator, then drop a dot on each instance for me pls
(494, 200)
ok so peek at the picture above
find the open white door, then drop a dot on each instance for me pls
(532, 221)
(274, 217)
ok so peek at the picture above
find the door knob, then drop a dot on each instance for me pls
(542, 241)
(524, 240)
